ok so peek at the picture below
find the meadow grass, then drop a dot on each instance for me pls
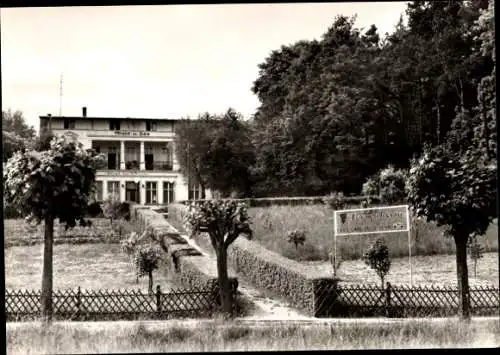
(135, 337)
(90, 266)
(18, 232)
(271, 224)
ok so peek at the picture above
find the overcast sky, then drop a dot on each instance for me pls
(156, 61)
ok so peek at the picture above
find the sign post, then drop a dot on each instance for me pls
(374, 220)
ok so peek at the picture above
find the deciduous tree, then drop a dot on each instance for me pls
(47, 185)
(457, 191)
(224, 221)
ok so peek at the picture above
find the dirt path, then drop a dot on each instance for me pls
(262, 307)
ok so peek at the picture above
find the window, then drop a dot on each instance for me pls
(69, 124)
(114, 188)
(168, 192)
(194, 192)
(114, 125)
(98, 191)
(151, 192)
(151, 125)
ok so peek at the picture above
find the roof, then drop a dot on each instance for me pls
(110, 118)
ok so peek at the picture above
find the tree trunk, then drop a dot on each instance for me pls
(46, 299)
(224, 289)
(463, 277)
(150, 286)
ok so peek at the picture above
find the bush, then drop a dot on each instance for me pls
(389, 184)
(377, 257)
(95, 210)
(10, 212)
(297, 237)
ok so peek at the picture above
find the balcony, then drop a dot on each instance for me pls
(159, 166)
(132, 165)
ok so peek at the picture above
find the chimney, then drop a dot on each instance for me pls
(84, 111)
(49, 115)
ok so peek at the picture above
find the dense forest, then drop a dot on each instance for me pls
(334, 111)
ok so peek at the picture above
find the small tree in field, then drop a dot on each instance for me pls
(297, 237)
(224, 221)
(377, 257)
(457, 191)
(47, 185)
(147, 259)
(476, 251)
(111, 208)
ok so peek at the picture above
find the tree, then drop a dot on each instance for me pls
(296, 237)
(457, 191)
(216, 152)
(111, 208)
(377, 257)
(47, 185)
(224, 221)
(147, 259)
(16, 134)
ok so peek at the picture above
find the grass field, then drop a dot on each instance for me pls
(427, 270)
(18, 232)
(90, 266)
(32, 338)
(270, 226)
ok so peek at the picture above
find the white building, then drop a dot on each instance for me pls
(141, 164)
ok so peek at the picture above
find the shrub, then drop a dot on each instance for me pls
(94, 210)
(335, 200)
(377, 257)
(297, 237)
(111, 208)
(389, 184)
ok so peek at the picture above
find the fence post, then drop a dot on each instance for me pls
(158, 299)
(79, 301)
(388, 300)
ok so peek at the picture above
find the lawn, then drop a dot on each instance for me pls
(90, 266)
(271, 224)
(134, 337)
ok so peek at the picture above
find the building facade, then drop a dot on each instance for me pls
(141, 165)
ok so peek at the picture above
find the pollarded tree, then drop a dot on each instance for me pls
(147, 259)
(47, 185)
(457, 191)
(224, 221)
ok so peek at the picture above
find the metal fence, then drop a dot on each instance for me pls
(115, 304)
(351, 300)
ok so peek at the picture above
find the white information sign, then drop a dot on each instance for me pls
(374, 220)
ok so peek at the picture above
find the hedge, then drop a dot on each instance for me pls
(187, 265)
(266, 269)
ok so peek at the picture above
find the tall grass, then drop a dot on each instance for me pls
(271, 224)
(32, 338)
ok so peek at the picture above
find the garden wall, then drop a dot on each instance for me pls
(188, 267)
(289, 201)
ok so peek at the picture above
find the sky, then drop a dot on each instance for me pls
(162, 61)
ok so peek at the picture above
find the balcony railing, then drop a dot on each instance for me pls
(132, 165)
(160, 165)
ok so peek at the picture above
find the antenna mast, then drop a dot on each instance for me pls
(60, 94)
